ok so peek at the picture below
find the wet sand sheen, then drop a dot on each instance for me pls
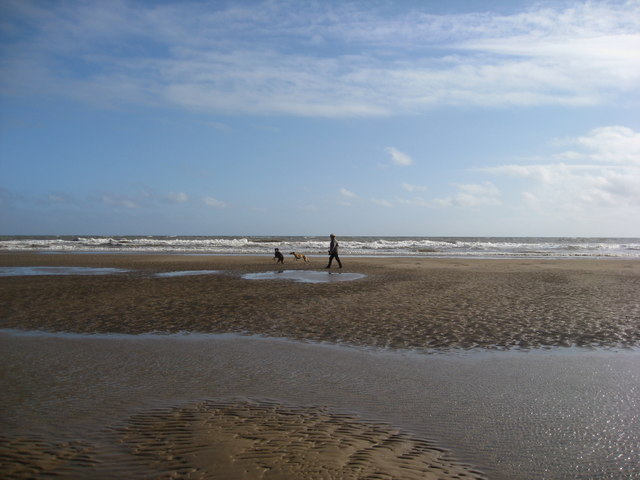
(148, 406)
(133, 406)
(233, 441)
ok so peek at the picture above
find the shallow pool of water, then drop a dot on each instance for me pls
(187, 273)
(29, 271)
(305, 276)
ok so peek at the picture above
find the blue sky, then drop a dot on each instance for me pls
(494, 118)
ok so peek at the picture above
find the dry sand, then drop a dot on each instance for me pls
(402, 303)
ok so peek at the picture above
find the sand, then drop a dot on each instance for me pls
(407, 303)
(273, 441)
(234, 441)
(402, 303)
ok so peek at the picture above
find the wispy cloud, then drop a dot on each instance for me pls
(382, 202)
(234, 58)
(178, 197)
(398, 157)
(471, 195)
(57, 198)
(119, 201)
(409, 187)
(347, 193)
(214, 202)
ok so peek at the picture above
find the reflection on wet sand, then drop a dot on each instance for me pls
(510, 415)
(36, 271)
(304, 276)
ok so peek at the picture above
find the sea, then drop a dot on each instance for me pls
(481, 247)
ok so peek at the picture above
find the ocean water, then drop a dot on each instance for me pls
(482, 247)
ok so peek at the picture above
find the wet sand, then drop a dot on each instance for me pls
(231, 407)
(402, 302)
(412, 303)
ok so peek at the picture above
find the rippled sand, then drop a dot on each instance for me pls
(273, 441)
(233, 442)
(402, 303)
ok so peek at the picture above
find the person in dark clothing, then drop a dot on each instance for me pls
(333, 251)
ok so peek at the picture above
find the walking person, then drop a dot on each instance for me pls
(333, 251)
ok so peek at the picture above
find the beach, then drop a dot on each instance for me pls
(127, 358)
(401, 303)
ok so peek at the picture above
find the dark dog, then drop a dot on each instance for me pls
(300, 256)
(278, 256)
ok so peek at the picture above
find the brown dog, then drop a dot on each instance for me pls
(300, 256)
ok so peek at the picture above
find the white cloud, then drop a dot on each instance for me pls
(119, 201)
(240, 59)
(347, 193)
(382, 202)
(415, 201)
(214, 202)
(608, 175)
(398, 157)
(614, 144)
(56, 198)
(179, 197)
(563, 185)
(471, 195)
(413, 188)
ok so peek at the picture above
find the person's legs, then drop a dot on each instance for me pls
(331, 259)
(338, 260)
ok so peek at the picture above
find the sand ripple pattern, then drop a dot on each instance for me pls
(402, 303)
(271, 441)
(35, 456)
(233, 441)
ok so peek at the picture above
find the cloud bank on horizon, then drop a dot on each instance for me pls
(298, 117)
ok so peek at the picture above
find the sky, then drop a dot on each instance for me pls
(390, 118)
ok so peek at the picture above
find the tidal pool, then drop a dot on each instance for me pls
(30, 271)
(305, 276)
(187, 273)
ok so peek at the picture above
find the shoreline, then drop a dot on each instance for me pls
(391, 246)
(419, 256)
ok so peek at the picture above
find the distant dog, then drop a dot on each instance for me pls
(278, 256)
(300, 256)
